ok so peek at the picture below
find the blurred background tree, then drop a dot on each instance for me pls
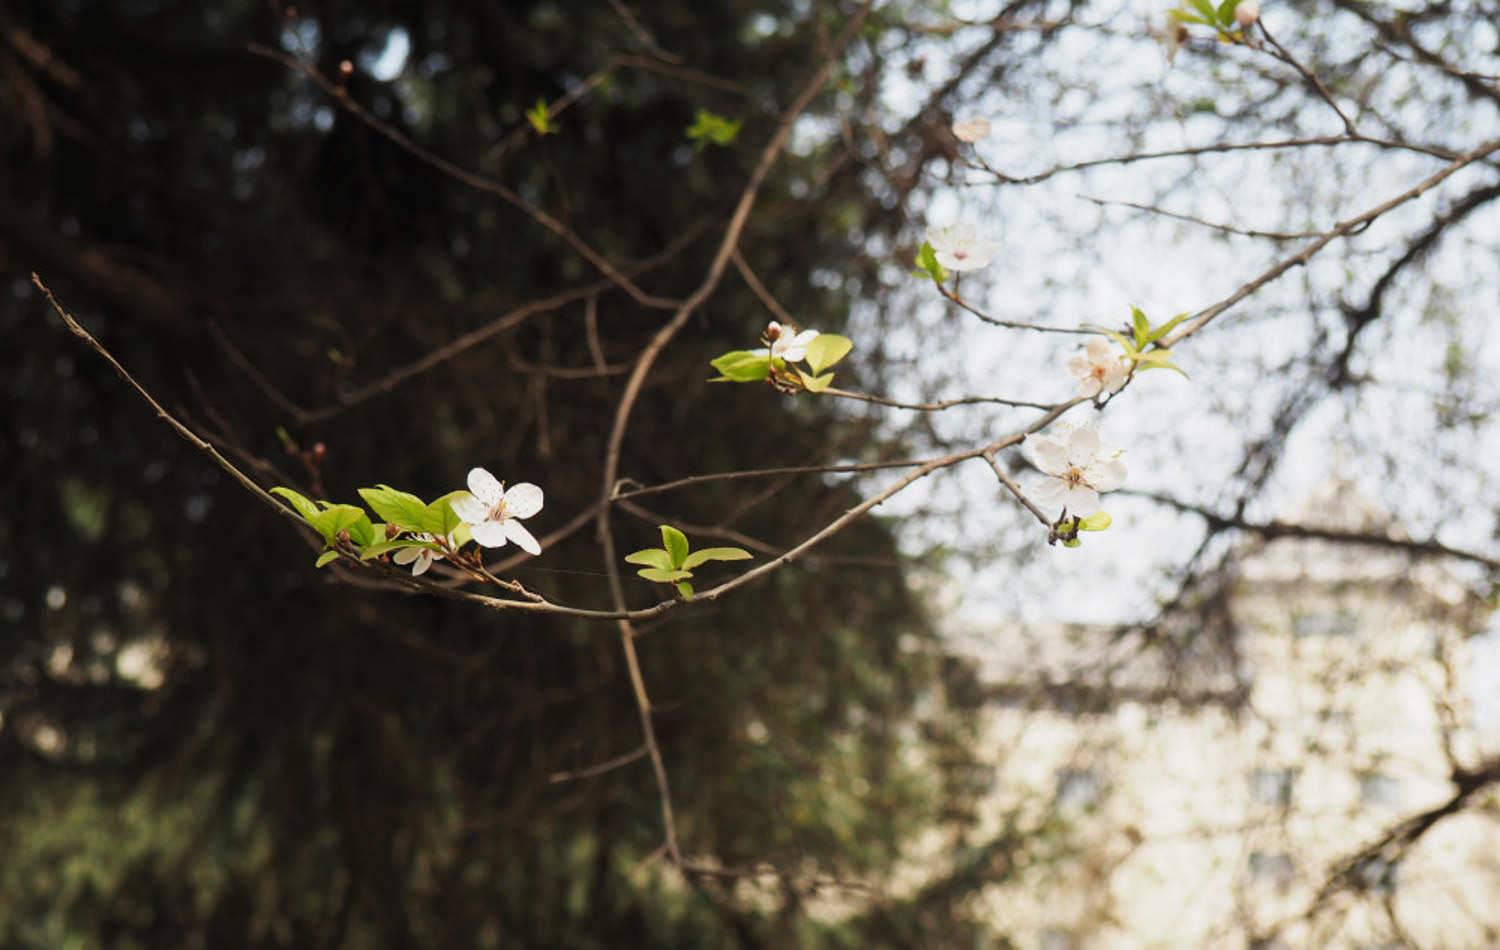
(204, 743)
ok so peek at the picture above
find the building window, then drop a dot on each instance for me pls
(1272, 786)
(1338, 623)
(1077, 788)
(1379, 791)
(1376, 875)
(1272, 867)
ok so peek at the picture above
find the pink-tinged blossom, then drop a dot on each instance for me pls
(1099, 369)
(959, 248)
(1078, 470)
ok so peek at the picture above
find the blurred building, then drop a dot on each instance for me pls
(1227, 784)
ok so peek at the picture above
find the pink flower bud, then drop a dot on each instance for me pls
(1246, 12)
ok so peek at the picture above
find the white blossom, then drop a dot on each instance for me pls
(1078, 469)
(492, 513)
(787, 343)
(1246, 12)
(971, 129)
(1099, 369)
(420, 559)
(959, 248)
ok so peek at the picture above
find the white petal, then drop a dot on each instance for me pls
(1082, 500)
(1098, 350)
(424, 561)
(1105, 474)
(1050, 492)
(486, 487)
(406, 555)
(1083, 445)
(1116, 376)
(1081, 366)
(489, 534)
(517, 532)
(761, 352)
(805, 337)
(470, 510)
(1050, 455)
(523, 500)
(1088, 386)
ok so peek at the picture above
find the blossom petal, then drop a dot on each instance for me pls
(523, 500)
(489, 534)
(1049, 491)
(406, 555)
(1083, 445)
(1116, 376)
(470, 510)
(1105, 474)
(1088, 386)
(486, 487)
(1080, 366)
(517, 532)
(424, 561)
(1098, 350)
(1051, 457)
(1082, 500)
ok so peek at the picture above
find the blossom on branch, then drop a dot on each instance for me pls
(1098, 369)
(971, 130)
(420, 559)
(959, 248)
(1246, 12)
(492, 513)
(1078, 469)
(786, 343)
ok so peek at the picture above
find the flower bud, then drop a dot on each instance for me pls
(391, 531)
(1246, 12)
(319, 450)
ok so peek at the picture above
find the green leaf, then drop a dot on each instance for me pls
(1206, 10)
(742, 366)
(1226, 12)
(651, 557)
(402, 509)
(816, 384)
(685, 589)
(663, 577)
(442, 517)
(1125, 342)
(383, 547)
(326, 558)
(335, 518)
(1171, 366)
(305, 508)
(540, 118)
(827, 349)
(711, 129)
(698, 558)
(675, 543)
(1142, 326)
(362, 531)
(1072, 543)
(927, 264)
(1166, 328)
(1097, 521)
(461, 535)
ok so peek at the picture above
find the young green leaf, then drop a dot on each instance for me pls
(741, 366)
(663, 576)
(1141, 325)
(685, 589)
(402, 509)
(927, 264)
(699, 558)
(540, 118)
(711, 129)
(371, 551)
(815, 384)
(440, 518)
(303, 506)
(1097, 521)
(1162, 331)
(827, 349)
(1226, 13)
(675, 543)
(325, 558)
(651, 557)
